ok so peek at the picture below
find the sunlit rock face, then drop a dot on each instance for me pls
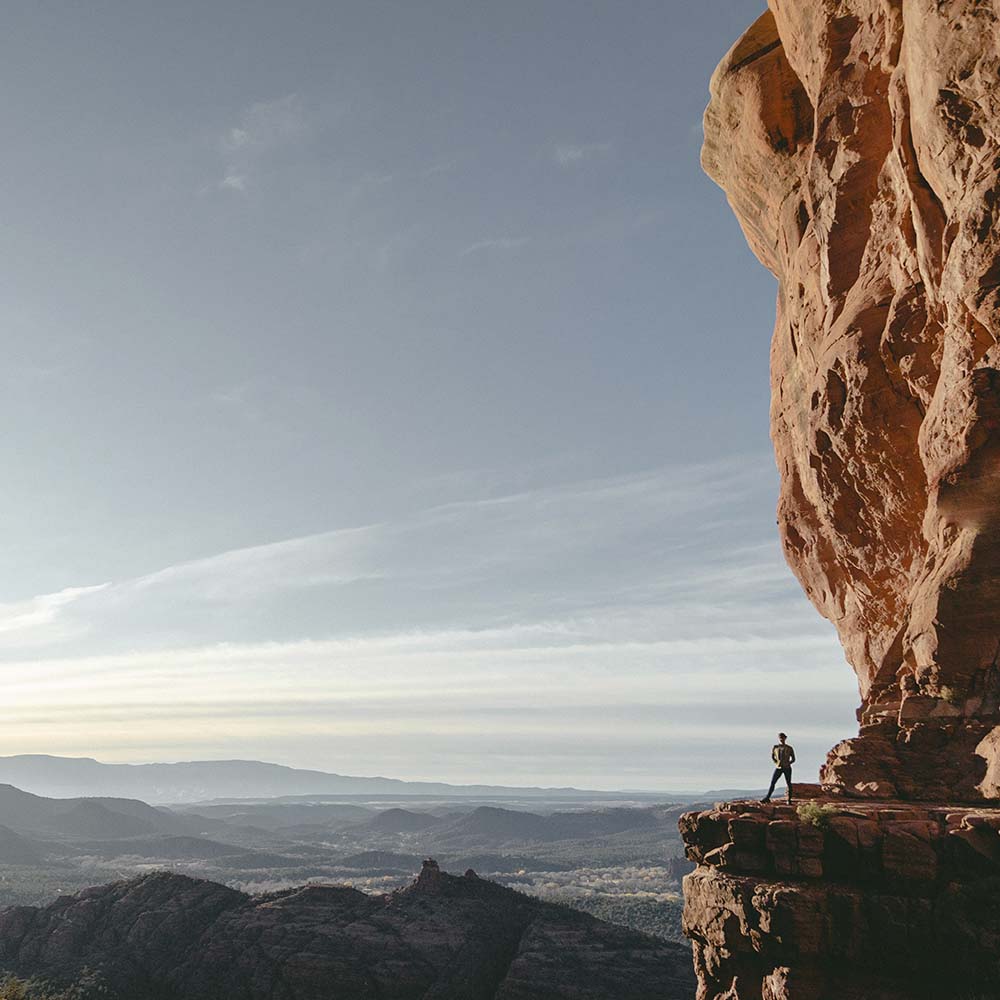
(858, 142)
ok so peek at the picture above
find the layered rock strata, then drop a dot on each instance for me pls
(859, 144)
(861, 901)
(169, 937)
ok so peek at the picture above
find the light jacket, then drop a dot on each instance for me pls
(783, 755)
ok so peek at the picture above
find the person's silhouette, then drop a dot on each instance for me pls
(783, 755)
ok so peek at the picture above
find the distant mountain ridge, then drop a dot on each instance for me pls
(497, 824)
(202, 780)
(106, 817)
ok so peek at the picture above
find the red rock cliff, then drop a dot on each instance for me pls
(846, 901)
(858, 142)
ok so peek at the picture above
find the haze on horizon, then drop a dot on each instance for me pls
(386, 392)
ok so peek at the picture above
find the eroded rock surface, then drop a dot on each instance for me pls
(852, 901)
(169, 937)
(859, 144)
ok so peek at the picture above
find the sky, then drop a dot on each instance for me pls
(385, 391)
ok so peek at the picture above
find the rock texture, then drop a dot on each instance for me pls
(876, 902)
(859, 144)
(169, 937)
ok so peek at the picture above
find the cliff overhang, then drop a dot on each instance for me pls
(858, 143)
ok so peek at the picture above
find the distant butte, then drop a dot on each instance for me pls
(858, 142)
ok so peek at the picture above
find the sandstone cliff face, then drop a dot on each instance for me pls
(859, 144)
(169, 937)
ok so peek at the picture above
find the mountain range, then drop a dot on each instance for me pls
(80, 817)
(201, 780)
(231, 865)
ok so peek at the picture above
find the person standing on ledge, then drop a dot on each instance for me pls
(783, 755)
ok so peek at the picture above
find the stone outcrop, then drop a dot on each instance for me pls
(859, 144)
(169, 937)
(851, 901)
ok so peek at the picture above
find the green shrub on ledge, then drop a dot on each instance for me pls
(819, 816)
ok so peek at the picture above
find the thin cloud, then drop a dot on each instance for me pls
(570, 154)
(261, 129)
(440, 167)
(642, 606)
(629, 542)
(25, 619)
(499, 243)
(266, 124)
(449, 695)
(235, 394)
(234, 182)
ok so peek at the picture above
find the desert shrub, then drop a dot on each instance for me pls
(951, 696)
(13, 989)
(819, 816)
(89, 986)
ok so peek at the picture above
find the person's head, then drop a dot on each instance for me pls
(782, 737)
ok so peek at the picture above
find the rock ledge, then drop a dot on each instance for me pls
(863, 901)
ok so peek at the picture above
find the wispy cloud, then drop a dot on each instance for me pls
(261, 128)
(445, 166)
(571, 154)
(459, 704)
(497, 243)
(647, 540)
(233, 394)
(234, 182)
(642, 608)
(266, 124)
(35, 619)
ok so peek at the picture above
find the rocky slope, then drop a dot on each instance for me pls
(168, 937)
(859, 144)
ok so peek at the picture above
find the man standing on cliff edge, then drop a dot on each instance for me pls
(783, 755)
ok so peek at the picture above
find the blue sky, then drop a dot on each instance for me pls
(386, 392)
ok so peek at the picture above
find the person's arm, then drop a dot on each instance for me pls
(791, 758)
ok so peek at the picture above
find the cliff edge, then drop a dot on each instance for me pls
(858, 142)
(844, 901)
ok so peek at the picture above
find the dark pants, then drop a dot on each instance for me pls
(778, 772)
